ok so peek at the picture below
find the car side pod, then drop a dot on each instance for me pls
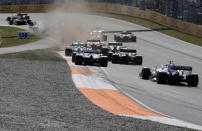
(161, 77)
(145, 73)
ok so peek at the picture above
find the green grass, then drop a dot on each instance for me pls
(6, 31)
(152, 25)
(39, 55)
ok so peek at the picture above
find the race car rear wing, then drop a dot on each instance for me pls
(188, 68)
(115, 44)
(128, 50)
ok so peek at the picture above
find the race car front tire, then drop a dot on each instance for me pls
(8, 19)
(146, 73)
(192, 80)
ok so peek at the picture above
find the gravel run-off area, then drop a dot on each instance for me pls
(40, 96)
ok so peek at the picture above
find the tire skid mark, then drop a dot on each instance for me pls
(91, 82)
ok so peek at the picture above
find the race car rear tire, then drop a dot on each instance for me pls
(133, 39)
(192, 80)
(146, 73)
(115, 59)
(73, 57)
(161, 78)
(68, 52)
(104, 37)
(31, 24)
(109, 56)
(117, 38)
(138, 60)
(126, 39)
(104, 62)
(78, 60)
(105, 51)
(10, 22)
(18, 23)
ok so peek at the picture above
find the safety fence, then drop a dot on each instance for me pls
(179, 25)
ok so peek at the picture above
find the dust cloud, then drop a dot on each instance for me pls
(66, 25)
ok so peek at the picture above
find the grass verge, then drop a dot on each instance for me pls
(6, 31)
(39, 55)
(152, 25)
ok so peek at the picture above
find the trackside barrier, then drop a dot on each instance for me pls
(179, 25)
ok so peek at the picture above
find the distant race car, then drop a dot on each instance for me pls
(127, 56)
(19, 19)
(97, 33)
(90, 57)
(95, 44)
(125, 36)
(171, 74)
(75, 47)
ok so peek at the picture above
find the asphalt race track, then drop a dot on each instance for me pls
(180, 102)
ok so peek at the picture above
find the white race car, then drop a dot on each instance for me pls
(90, 57)
(171, 74)
(127, 56)
(125, 36)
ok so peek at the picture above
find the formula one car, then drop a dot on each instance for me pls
(170, 74)
(126, 56)
(90, 57)
(95, 44)
(19, 19)
(98, 34)
(114, 47)
(125, 36)
(75, 47)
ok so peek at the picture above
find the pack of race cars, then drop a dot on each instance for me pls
(95, 52)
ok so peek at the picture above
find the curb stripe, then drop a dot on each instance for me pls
(80, 70)
(116, 103)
